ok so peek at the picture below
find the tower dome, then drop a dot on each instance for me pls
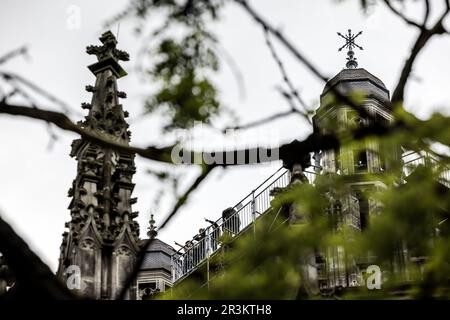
(351, 81)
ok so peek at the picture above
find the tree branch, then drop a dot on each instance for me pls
(423, 38)
(248, 156)
(15, 77)
(206, 170)
(405, 18)
(398, 94)
(314, 142)
(16, 52)
(63, 122)
(293, 110)
(234, 68)
(165, 154)
(426, 13)
(265, 120)
(34, 278)
(285, 76)
(282, 39)
(294, 51)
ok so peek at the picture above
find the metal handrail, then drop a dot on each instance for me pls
(421, 159)
(243, 215)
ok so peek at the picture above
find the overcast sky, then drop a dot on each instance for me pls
(36, 175)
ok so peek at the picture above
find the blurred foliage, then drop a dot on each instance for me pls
(405, 210)
(179, 56)
(188, 96)
(409, 209)
(181, 66)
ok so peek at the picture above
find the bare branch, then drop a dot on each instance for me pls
(294, 51)
(250, 156)
(399, 91)
(206, 170)
(423, 38)
(443, 16)
(63, 122)
(10, 94)
(264, 120)
(228, 58)
(14, 77)
(283, 40)
(293, 110)
(164, 154)
(426, 13)
(284, 73)
(14, 53)
(34, 277)
(403, 17)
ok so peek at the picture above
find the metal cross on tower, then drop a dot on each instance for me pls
(350, 45)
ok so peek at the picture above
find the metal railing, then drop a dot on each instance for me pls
(244, 214)
(413, 159)
(233, 222)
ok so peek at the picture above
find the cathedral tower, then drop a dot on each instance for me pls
(364, 163)
(359, 85)
(102, 241)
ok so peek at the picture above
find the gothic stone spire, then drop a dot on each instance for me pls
(105, 112)
(107, 50)
(103, 238)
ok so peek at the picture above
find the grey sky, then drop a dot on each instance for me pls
(35, 178)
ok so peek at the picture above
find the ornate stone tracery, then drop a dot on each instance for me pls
(101, 223)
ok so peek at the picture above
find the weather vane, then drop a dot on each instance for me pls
(350, 45)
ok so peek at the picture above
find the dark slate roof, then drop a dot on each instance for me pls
(158, 245)
(158, 256)
(349, 80)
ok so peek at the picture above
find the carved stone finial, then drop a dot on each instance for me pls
(108, 55)
(108, 49)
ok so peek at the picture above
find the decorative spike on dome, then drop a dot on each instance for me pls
(152, 233)
(350, 44)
